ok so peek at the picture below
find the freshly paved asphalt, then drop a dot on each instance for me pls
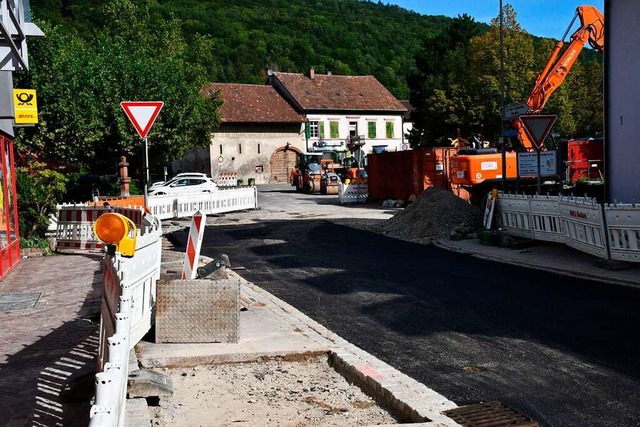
(561, 350)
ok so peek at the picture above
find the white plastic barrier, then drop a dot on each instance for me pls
(221, 201)
(583, 227)
(128, 302)
(227, 179)
(74, 224)
(514, 212)
(353, 193)
(623, 231)
(545, 218)
(576, 222)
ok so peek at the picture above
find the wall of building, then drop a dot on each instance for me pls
(393, 144)
(245, 149)
(622, 128)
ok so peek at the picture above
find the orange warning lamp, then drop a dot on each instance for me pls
(116, 230)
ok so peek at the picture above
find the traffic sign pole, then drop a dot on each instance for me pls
(142, 115)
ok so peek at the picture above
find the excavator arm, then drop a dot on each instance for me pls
(555, 71)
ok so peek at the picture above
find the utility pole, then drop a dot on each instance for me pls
(502, 137)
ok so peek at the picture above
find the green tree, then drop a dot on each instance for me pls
(39, 190)
(484, 70)
(134, 58)
(439, 92)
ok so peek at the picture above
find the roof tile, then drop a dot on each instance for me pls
(244, 103)
(334, 92)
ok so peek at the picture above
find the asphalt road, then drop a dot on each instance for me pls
(563, 351)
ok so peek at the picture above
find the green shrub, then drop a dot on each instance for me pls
(38, 191)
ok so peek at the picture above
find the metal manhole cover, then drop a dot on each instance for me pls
(10, 302)
(489, 414)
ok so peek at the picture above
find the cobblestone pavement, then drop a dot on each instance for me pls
(48, 352)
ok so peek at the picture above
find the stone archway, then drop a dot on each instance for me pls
(281, 163)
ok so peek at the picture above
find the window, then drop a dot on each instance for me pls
(372, 130)
(220, 149)
(258, 148)
(353, 129)
(390, 132)
(334, 130)
(313, 130)
(239, 148)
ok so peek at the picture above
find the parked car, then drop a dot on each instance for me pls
(180, 175)
(181, 186)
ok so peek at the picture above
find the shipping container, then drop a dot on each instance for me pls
(402, 174)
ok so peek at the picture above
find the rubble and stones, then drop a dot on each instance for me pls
(434, 215)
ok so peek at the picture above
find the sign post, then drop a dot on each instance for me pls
(538, 127)
(142, 115)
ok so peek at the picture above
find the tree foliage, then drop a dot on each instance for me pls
(82, 80)
(39, 190)
(459, 88)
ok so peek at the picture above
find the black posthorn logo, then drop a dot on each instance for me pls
(24, 98)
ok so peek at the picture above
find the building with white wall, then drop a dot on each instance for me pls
(263, 126)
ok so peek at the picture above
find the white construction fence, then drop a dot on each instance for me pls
(609, 231)
(129, 283)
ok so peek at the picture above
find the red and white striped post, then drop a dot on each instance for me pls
(196, 232)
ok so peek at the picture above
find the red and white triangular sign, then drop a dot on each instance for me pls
(538, 127)
(142, 114)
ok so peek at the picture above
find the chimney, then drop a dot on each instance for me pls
(312, 73)
(328, 72)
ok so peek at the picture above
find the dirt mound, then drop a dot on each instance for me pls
(433, 216)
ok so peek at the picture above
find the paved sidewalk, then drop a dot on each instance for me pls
(50, 348)
(553, 257)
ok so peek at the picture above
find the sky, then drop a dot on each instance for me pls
(542, 18)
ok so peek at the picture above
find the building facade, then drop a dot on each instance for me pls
(263, 126)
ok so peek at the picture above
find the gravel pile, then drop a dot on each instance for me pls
(434, 215)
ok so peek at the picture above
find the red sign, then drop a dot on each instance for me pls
(142, 114)
(538, 127)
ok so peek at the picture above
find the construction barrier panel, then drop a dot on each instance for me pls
(583, 227)
(514, 213)
(227, 179)
(545, 218)
(73, 225)
(221, 201)
(353, 193)
(623, 231)
(127, 307)
(575, 222)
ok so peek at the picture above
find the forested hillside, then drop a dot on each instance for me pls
(98, 53)
(251, 36)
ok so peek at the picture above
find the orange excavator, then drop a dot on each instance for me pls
(479, 170)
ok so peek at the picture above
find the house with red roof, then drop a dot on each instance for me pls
(263, 126)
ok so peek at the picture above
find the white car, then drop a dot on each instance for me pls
(186, 185)
(180, 175)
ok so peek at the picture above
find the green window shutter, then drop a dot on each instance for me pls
(389, 129)
(321, 129)
(307, 130)
(333, 128)
(372, 130)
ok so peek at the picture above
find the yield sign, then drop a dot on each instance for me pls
(538, 127)
(142, 114)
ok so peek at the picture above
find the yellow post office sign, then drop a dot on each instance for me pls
(25, 106)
